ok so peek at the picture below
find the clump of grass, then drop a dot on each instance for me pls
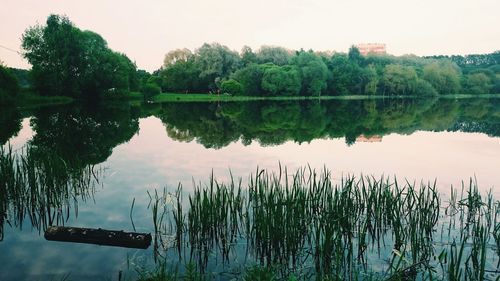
(37, 185)
(312, 225)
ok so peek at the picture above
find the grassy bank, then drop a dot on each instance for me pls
(27, 98)
(201, 97)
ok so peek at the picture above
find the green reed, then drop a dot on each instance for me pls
(308, 223)
(37, 185)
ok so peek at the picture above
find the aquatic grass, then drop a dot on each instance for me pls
(307, 224)
(37, 185)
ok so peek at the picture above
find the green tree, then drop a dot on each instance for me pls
(355, 56)
(444, 76)
(346, 76)
(424, 88)
(248, 56)
(371, 80)
(250, 78)
(399, 80)
(281, 80)
(276, 55)
(9, 87)
(478, 83)
(314, 73)
(178, 55)
(71, 62)
(183, 76)
(216, 62)
(231, 87)
(150, 90)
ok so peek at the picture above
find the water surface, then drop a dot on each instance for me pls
(140, 148)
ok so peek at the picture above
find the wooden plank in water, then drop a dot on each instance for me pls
(98, 236)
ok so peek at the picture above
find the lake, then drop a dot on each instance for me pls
(134, 149)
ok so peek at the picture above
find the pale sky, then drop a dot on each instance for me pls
(146, 30)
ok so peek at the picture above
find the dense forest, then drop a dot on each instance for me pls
(273, 71)
(67, 61)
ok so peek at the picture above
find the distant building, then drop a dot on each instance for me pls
(371, 48)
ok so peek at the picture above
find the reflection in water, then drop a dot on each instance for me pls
(45, 180)
(308, 226)
(79, 137)
(10, 124)
(37, 185)
(272, 123)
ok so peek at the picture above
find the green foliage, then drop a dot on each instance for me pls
(281, 80)
(424, 88)
(10, 122)
(478, 83)
(320, 74)
(23, 77)
(150, 90)
(216, 61)
(444, 76)
(313, 72)
(250, 78)
(183, 76)
(232, 87)
(82, 135)
(347, 76)
(399, 80)
(248, 56)
(372, 80)
(275, 55)
(275, 122)
(9, 87)
(259, 273)
(355, 56)
(68, 61)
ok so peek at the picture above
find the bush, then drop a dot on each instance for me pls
(424, 88)
(232, 87)
(9, 87)
(150, 90)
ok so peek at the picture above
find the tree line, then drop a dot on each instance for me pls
(67, 61)
(276, 71)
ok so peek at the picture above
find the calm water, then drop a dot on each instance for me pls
(140, 148)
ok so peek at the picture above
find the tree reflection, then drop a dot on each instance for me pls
(10, 124)
(44, 181)
(82, 135)
(215, 125)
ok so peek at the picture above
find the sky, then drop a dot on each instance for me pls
(146, 30)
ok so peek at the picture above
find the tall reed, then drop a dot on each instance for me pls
(308, 224)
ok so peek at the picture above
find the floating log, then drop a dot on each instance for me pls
(98, 236)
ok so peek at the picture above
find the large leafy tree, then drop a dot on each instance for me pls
(346, 76)
(444, 76)
(68, 61)
(313, 72)
(8, 85)
(250, 78)
(281, 80)
(399, 80)
(275, 55)
(216, 62)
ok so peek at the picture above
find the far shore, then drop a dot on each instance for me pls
(200, 97)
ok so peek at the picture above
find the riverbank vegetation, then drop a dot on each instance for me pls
(71, 63)
(276, 71)
(67, 61)
(216, 125)
(309, 226)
